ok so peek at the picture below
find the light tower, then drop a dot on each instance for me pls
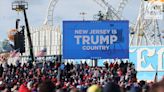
(22, 5)
(83, 15)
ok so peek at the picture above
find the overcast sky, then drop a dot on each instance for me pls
(64, 10)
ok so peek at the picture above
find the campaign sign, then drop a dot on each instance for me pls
(95, 39)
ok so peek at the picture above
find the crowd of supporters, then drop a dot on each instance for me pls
(60, 77)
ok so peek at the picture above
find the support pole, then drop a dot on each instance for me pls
(29, 36)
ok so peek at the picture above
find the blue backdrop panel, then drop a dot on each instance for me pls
(95, 39)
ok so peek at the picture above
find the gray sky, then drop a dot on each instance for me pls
(65, 10)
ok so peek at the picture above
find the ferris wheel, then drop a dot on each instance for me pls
(142, 32)
(146, 31)
(112, 13)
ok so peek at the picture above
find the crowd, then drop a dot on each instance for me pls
(60, 77)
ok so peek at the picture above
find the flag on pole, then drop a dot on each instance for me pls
(14, 53)
(156, 77)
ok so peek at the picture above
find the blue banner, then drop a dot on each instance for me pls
(95, 39)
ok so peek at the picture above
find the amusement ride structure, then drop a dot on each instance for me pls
(144, 32)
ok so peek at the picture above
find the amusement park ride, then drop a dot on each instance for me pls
(146, 31)
(143, 32)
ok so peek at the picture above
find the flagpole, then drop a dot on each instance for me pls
(156, 74)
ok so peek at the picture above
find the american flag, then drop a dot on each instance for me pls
(14, 57)
(9, 56)
(42, 52)
(14, 53)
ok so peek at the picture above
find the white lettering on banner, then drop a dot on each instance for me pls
(77, 39)
(95, 39)
(81, 31)
(100, 32)
(113, 31)
(104, 39)
(85, 39)
(113, 39)
(98, 39)
(151, 55)
(95, 47)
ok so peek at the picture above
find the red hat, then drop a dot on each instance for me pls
(23, 88)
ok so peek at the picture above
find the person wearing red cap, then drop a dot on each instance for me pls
(23, 88)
